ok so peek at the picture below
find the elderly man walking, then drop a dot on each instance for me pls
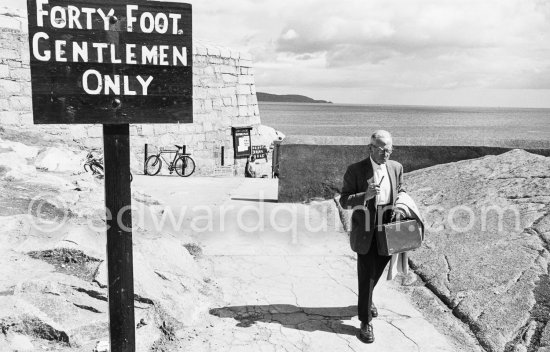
(370, 188)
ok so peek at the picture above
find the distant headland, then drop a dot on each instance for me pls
(287, 98)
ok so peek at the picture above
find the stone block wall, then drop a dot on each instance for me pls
(224, 95)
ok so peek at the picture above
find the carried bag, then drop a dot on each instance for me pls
(397, 237)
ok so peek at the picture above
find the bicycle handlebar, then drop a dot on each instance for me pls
(163, 150)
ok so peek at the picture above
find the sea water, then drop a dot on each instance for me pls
(496, 126)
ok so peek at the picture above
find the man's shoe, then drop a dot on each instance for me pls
(366, 334)
(373, 311)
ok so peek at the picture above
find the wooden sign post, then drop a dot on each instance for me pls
(112, 63)
(118, 194)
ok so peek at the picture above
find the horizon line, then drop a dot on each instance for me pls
(409, 105)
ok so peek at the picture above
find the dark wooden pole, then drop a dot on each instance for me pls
(145, 160)
(116, 143)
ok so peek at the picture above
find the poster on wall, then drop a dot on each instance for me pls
(94, 61)
(241, 141)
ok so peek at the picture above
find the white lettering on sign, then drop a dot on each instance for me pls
(149, 56)
(72, 17)
(85, 82)
(114, 59)
(80, 51)
(40, 13)
(130, 55)
(61, 17)
(47, 54)
(149, 23)
(112, 85)
(89, 12)
(58, 17)
(108, 85)
(175, 17)
(180, 56)
(144, 84)
(47, 47)
(161, 23)
(106, 17)
(100, 47)
(127, 90)
(60, 50)
(130, 19)
(164, 55)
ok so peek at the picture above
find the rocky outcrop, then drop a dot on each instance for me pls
(486, 252)
(53, 273)
(59, 159)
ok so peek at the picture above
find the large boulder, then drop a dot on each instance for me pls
(265, 135)
(486, 250)
(60, 160)
(14, 167)
(22, 150)
(10, 159)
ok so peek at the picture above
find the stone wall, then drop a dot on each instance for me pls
(224, 95)
(316, 170)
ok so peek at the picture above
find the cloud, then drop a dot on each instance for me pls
(382, 28)
(426, 44)
(380, 45)
(289, 35)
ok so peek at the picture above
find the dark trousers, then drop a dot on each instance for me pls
(370, 267)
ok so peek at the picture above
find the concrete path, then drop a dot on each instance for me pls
(284, 288)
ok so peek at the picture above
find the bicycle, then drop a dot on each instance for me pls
(96, 166)
(182, 163)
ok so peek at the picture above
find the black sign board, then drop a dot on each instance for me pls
(241, 142)
(110, 62)
(259, 151)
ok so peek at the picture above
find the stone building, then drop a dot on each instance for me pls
(224, 96)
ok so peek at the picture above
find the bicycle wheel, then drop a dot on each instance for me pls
(185, 166)
(152, 165)
(96, 169)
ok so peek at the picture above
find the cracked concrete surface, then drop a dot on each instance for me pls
(303, 303)
(290, 290)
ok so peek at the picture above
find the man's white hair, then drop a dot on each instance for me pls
(380, 134)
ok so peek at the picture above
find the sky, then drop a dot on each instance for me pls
(409, 52)
(431, 52)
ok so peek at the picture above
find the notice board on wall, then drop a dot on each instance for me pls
(259, 151)
(241, 141)
(107, 62)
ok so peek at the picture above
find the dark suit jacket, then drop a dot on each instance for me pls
(356, 181)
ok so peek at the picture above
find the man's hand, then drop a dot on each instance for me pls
(398, 215)
(372, 191)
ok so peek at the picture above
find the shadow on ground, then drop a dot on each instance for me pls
(328, 319)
